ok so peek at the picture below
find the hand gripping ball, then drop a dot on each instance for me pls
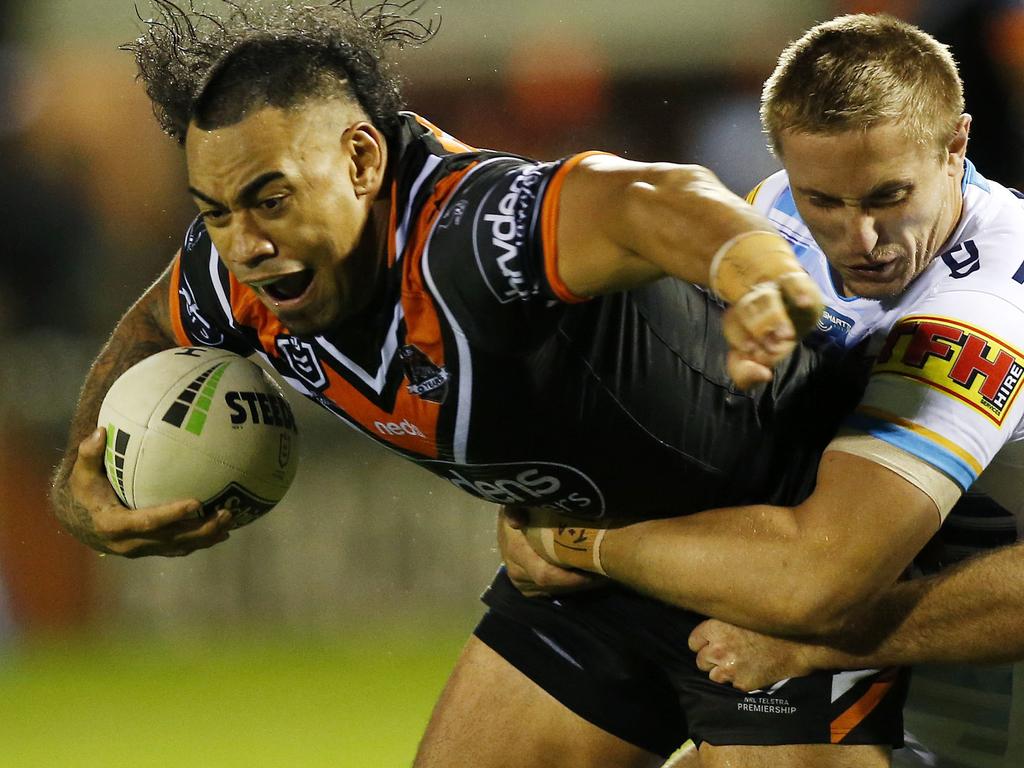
(193, 422)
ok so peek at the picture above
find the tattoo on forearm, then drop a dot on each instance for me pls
(75, 517)
(144, 331)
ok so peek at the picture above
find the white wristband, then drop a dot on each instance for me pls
(574, 547)
(719, 257)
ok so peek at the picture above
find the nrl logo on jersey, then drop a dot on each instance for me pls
(302, 359)
(201, 329)
(426, 380)
(967, 363)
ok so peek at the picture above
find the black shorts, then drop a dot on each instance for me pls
(621, 662)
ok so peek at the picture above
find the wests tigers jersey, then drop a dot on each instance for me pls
(476, 362)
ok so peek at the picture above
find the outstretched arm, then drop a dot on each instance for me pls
(970, 613)
(82, 498)
(782, 570)
(622, 223)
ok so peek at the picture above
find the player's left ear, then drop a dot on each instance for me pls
(957, 147)
(368, 151)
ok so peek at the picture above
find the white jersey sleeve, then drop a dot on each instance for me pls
(945, 386)
(946, 382)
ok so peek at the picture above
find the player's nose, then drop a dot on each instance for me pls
(861, 232)
(250, 245)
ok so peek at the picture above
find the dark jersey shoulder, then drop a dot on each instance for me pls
(487, 247)
(201, 283)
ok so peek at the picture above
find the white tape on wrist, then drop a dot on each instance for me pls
(719, 257)
(574, 546)
(547, 540)
(596, 552)
(758, 289)
(792, 273)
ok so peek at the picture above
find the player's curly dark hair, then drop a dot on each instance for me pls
(197, 65)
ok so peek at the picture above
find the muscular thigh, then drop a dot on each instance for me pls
(618, 660)
(490, 715)
(795, 756)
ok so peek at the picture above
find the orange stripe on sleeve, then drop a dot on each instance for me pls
(859, 710)
(173, 305)
(449, 142)
(549, 229)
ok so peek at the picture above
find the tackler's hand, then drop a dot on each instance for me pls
(774, 303)
(563, 541)
(745, 659)
(91, 511)
(530, 573)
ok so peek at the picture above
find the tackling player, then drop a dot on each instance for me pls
(919, 254)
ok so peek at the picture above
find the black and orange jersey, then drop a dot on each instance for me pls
(477, 363)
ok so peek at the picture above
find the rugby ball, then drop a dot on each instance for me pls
(193, 422)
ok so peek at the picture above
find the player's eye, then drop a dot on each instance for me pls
(213, 215)
(820, 201)
(273, 204)
(889, 199)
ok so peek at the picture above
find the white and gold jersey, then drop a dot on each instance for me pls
(942, 405)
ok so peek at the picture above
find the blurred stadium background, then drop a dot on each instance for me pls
(321, 635)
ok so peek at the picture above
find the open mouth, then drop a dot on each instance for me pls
(876, 270)
(289, 287)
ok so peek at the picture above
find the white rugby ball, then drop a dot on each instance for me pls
(193, 422)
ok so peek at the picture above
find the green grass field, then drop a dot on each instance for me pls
(358, 699)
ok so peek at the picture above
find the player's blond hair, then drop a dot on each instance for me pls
(857, 71)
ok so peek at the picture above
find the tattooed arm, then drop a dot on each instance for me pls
(82, 498)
